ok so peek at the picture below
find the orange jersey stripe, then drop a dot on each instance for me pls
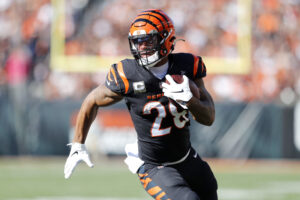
(109, 76)
(114, 74)
(196, 62)
(123, 77)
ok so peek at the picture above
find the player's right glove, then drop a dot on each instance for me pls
(77, 154)
(180, 92)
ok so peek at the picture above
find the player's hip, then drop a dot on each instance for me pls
(192, 172)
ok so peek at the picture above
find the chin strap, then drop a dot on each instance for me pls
(150, 65)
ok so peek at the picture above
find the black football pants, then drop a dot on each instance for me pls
(190, 180)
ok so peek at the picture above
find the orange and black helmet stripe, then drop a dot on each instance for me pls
(160, 13)
(123, 76)
(147, 14)
(147, 21)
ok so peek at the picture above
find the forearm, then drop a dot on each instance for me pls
(100, 96)
(85, 118)
(203, 110)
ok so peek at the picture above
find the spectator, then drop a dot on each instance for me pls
(275, 41)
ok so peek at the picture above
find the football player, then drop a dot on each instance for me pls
(163, 158)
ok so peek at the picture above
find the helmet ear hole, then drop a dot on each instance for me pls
(163, 51)
(164, 33)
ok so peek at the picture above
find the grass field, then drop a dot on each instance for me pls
(42, 179)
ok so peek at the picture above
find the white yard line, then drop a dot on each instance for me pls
(273, 190)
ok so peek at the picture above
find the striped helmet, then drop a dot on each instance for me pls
(151, 37)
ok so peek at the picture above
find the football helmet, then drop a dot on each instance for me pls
(151, 37)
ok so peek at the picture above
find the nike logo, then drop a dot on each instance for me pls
(180, 91)
(76, 152)
(195, 155)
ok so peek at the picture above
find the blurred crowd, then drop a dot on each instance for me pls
(100, 28)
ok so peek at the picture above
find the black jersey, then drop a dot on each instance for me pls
(161, 125)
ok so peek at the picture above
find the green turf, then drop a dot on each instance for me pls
(31, 178)
(36, 178)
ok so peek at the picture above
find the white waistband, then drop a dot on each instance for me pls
(178, 161)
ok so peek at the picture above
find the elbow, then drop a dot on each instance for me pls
(207, 121)
(211, 118)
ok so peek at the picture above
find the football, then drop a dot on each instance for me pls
(193, 87)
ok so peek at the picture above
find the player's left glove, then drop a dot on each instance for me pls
(77, 154)
(180, 92)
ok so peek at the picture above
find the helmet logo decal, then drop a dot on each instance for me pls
(153, 11)
(139, 32)
(145, 20)
(161, 22)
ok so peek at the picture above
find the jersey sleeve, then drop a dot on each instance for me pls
(116, 79)
(199, 68)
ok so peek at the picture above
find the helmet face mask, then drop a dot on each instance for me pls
(151, 37)
(145, 48)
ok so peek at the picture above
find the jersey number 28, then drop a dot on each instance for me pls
(179, 118)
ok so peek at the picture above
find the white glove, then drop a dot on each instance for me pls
(77, 154)
(180, 92)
